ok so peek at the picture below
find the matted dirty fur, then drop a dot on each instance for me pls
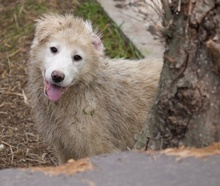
(92, 104)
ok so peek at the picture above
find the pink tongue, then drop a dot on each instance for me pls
(53, 92)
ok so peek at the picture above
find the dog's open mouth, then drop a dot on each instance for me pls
(53, 92)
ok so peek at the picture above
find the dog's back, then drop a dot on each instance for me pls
(99, 112)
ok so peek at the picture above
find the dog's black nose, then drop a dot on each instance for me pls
(57, 76)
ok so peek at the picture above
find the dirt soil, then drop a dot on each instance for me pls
(20, 145)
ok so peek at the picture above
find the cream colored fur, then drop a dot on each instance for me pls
(108, 101)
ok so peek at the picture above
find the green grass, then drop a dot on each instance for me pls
(17, 25)
(115, 43)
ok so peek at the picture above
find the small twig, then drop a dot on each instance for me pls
(11, 93)
(27, 151)
(179, 6)
(157, 8)
(12, 153)
(16, 21)
(35, 160)
(2, 104)
(136, 18)
(25, 98)
(33, 135)
(32, 155)
(13, 53)
(52, 160)
(9, 66)
(12, 128)
(2, 112)
(5, 143)
(167, 11)
(190, 8)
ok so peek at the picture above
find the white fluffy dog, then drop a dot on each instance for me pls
(83, 102)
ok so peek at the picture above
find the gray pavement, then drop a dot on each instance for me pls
(137, 20)
(127, 169)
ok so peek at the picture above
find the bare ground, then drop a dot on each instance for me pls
(20, 145)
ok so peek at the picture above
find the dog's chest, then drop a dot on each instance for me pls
(80, 117)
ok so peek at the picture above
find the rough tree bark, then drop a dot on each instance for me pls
(187, 106)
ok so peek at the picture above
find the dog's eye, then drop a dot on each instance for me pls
(54, 50)
(77, 57)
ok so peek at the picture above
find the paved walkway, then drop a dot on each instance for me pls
(138, 20)
(123, 169)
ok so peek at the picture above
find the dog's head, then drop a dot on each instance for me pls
(68, 49)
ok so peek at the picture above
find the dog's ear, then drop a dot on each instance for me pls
(45, 25)
(96, 38)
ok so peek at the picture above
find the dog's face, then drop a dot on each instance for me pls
(68, 50)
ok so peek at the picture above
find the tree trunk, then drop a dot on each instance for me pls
(186, 110)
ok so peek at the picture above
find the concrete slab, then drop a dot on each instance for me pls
(126, 169)
(137, 19)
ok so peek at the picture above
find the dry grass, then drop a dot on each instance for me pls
(20, 146)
